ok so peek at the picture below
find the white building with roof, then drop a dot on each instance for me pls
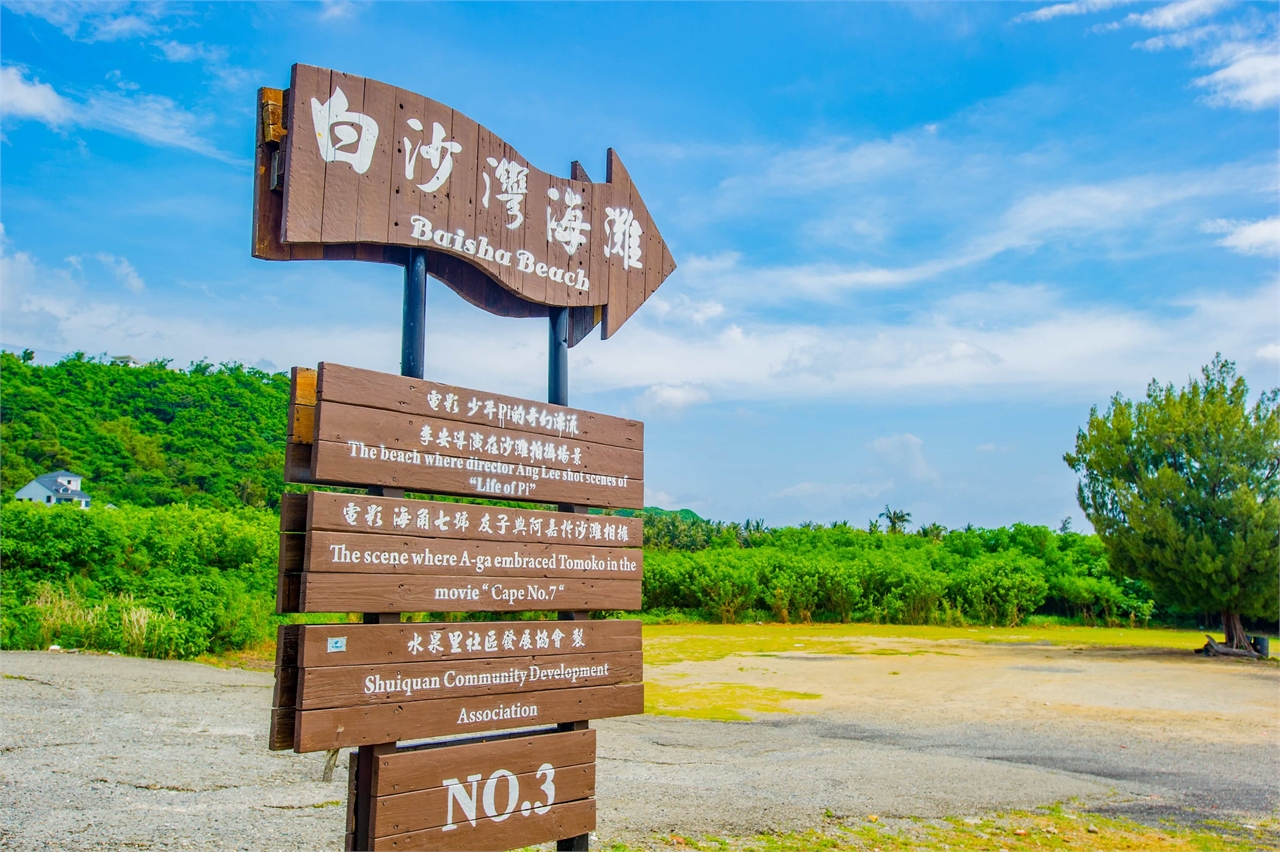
(60, 486)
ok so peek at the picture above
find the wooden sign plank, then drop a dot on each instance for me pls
(324, 645)
(320, 730)
(304, 188)
(525, 793)
(405, 770)
(392, 516)
(447, 184)
(356, 686)
(365, 465)
(371, 389)
(342, 424)
(569, 819)
(356, 553)
(329, 592)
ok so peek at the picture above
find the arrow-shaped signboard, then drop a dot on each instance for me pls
(362, 167)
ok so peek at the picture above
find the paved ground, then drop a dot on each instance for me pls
(104, 752)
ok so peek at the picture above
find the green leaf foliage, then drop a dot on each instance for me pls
(998, 576)
(173, 581)
(1183, 488)
(146, 436)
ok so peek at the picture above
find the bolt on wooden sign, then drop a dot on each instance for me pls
(376, 685)
(350, 168)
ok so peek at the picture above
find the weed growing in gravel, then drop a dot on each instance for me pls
(722, 702)
(1056, 829)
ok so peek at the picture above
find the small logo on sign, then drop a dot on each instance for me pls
(337, 643)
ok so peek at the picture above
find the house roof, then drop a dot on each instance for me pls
(50, 481)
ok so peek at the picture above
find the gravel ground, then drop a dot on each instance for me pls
(107, 752)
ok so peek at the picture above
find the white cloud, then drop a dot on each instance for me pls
(212, 57)
(338, 9)
(1249, 78)
(1179, 15)
(1069, 212)
(1064, 348)
(23, 98)
(1270, 352)
(663, 398)
(833, 491)
(1245, 51)
(124, 272)
(905, 453)
(94, 20)
(153, 119)
(1261, 237)
(1059, 10)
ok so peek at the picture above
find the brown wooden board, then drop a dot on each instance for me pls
(431, 808)
(373, 203)
(371, 389)
(351, 144)
(320, 730)
(569, 819)
(408, 769)
(355, 686)
(328, 645)
(341, 423)
(341, 185)
(304, 169)
(326, 511)
(328, 592)
(361, 464)
(350, 553)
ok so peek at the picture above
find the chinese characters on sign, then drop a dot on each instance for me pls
(368, 165)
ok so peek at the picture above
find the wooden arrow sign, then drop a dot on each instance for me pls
(365, 166)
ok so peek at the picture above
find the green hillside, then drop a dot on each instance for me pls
(146, 436)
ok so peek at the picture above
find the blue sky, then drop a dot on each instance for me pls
(916, 241)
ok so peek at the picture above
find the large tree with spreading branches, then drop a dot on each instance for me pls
(1184, 489)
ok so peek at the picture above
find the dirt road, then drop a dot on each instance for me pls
(109, 752)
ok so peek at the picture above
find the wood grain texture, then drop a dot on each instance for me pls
(326, 592)
(288, 644)
(328, 511)
(565, 820)
(304, 182)
(331, 206)
(426, 809)
(293, 548)
(409, 769)
(319, 730)
(283, 731)
(405, 394)
(376, 427)
(390, 644)
(354, 553)
(516, 675)
(268, 204)
(341, 184)
(373, 198)
(335, 464)
(293, 512)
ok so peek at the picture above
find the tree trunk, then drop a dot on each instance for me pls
(1233, 631)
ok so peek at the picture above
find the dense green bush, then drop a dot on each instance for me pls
(172, 581)
(837, 573)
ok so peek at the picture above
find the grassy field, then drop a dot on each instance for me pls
(1053, 828)
(675, 643)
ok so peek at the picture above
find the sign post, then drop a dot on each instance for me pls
(352, 169)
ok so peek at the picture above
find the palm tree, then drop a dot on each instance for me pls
(896, 518)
